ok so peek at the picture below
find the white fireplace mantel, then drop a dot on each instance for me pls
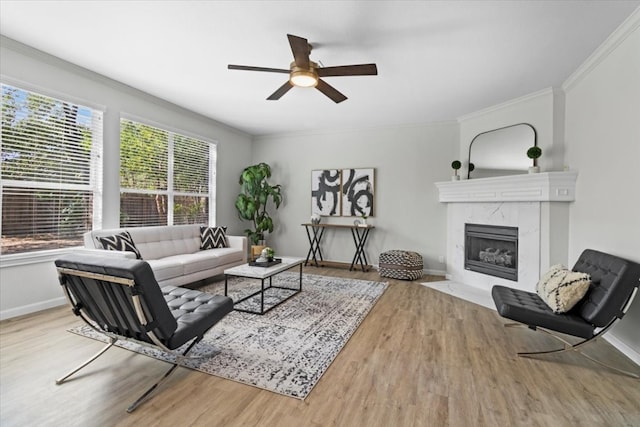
(534, 187)
(537, 204)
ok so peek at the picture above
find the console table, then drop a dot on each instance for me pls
(359, 234)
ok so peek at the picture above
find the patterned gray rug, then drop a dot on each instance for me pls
(287, 349)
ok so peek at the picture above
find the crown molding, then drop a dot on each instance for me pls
(307, 133)
(507, 104)
(619, 35)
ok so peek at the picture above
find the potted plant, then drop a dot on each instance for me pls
(251, 203)
(534, 153)
(455, 165)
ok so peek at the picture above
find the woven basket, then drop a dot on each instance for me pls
(400, 264)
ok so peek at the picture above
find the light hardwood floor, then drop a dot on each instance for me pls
(420, 358)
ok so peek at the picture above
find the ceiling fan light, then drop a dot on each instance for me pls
(303, 78)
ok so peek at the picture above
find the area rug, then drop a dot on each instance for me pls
(285, 350)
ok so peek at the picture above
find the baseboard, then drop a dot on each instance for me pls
(341, 264)
(623, 348)
(32, 308)
(374, 267)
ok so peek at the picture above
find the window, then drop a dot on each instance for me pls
(50, 171)
(165, 178)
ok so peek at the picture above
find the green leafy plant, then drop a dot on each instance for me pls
(270, 252)
(251, 203)
(456, 165)
(533, 153)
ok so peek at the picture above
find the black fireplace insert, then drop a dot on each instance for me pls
(492, 250)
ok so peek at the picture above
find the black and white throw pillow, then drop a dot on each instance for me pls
(213, 237)
(561, 289)
(119, 242)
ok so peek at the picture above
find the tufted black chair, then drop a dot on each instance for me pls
(614, 284)
(121, 299)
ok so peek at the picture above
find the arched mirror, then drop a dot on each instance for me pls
(502, 151)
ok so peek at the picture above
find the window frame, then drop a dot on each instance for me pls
(96, 168)
(170, 192)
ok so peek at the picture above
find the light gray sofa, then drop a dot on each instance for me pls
(173, 252)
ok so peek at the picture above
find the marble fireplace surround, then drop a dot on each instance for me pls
(538, 204)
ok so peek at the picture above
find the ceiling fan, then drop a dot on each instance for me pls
(305, 73)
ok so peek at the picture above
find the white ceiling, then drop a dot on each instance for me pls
(437, 60)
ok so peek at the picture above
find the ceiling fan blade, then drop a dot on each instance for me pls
(330, 91)
(300, 49)
(349, 70)
(250, 68)
(281, 91)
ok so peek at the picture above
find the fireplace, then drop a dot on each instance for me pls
(527, 201)
(492, 250)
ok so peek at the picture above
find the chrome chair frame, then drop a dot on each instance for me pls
(80, 311)
(577, 347)
(614, 285)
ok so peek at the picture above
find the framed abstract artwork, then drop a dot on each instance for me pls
(358, 190)
(325, 192)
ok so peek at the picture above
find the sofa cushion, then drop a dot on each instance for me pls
(205, 260)
(562, 289)
(213, 237)
(165, 241)
(167, 268)
(119, 242)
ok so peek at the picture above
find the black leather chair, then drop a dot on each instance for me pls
(614, 285)
(121, 299)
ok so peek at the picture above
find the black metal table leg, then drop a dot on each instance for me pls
(300, 284)
(365, 236)
(306, 227)
(359, 240)
(262, 296)
(355, 241)
(318, 239)
(262, 290)
(314, 244)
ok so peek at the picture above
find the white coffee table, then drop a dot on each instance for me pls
(263, 273)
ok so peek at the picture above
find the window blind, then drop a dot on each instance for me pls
(164, 176)
(50, 171)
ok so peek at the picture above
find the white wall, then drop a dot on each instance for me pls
(603, 144)
(407, 161)
(33, 285)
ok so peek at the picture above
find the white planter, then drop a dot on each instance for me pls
(455, 178)
(534, 169)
